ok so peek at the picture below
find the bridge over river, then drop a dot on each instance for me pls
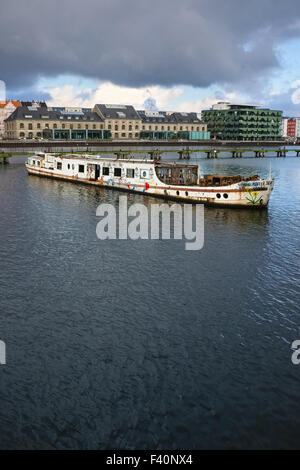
(154, 149)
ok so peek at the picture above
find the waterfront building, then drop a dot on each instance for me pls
(284, 126)
(121, 120)
(169, 125)
(228, 121)
(291, 127)
(7, 107)
(35, 120)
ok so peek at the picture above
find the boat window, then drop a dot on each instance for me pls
(80, 168)
(117, 172)
(105, 171)
(58, 165)
(225, 195)
(130, 173)
(218, 195)
(181, 175)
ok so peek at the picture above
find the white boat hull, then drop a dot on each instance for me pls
(252, 194)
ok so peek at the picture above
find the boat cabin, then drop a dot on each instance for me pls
(216, 180)
(186, 175)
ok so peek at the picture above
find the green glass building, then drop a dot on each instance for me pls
(227, 121)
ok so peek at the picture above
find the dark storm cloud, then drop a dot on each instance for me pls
(143, 42)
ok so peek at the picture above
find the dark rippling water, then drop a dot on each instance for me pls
(141, 344)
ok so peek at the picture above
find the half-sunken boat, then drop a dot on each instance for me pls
(156, 178)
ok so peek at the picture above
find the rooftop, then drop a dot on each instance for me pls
(116, 111)
(168, 117)
(40, 112)
(6, 102)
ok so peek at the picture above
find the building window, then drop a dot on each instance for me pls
(123, 134)
(94, 126)
(54, 126)
(130, 128)
(63, 126)
(116, 127)
(130, 173)
(117, 172)
(46, 126)
(136, 134)
(38, 125)
(86, 126)
(101, 126)
(116, 135)
(105, 171)
(136, 126)
(109, 126)
(123, 127)
(71, 126)
(80, 168)
(58, 165)
(22, 134)
(22, 125)
(30, 126)
(79, 126)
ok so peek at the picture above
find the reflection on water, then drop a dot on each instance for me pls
(141, 344)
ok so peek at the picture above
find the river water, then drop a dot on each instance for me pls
(123, 344)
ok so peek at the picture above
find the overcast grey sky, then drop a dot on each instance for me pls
(138, 43)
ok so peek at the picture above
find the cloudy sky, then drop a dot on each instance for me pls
(185, 54)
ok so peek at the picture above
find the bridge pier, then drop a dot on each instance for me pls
(4, 160)
(237, 154)
(184, 154)
(212, 154)
(121, 155)
(281, 153)
(259, 154)
(155, 154)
